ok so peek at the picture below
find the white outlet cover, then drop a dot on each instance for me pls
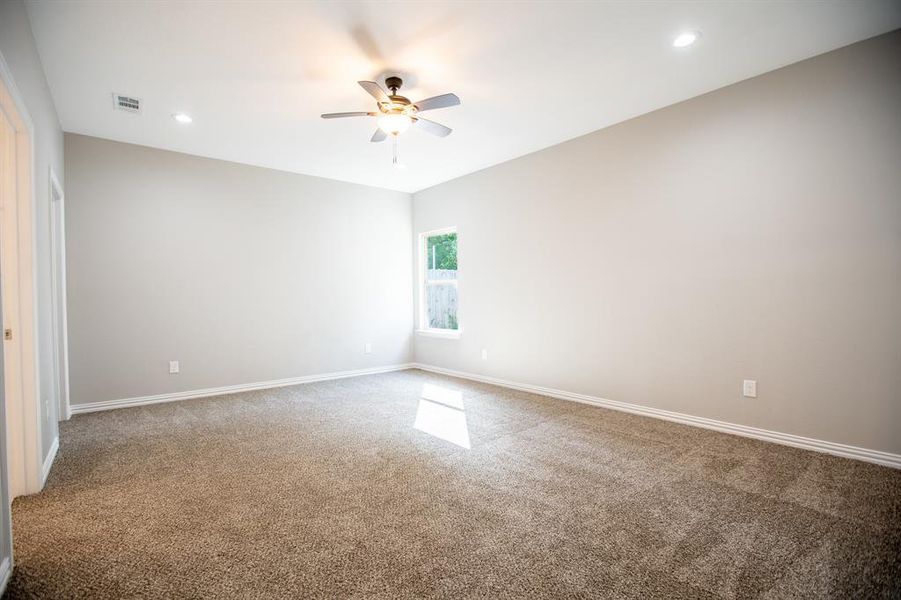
(484, 354)
(367, 348)
(173, 367)
(749, 388)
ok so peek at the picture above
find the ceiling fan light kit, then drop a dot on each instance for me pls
(396, 113)
(394, 123)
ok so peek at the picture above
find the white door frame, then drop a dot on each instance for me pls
(17, 261)
(60, 329)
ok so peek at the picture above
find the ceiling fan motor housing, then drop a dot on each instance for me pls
(399, 100)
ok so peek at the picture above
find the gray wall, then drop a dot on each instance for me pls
(753, 232)
(242, 274)
(19, 51)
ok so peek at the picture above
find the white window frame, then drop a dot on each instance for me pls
(423, 267)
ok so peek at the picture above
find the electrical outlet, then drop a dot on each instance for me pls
(367, 348)
(173, 367)
(749, 388)
(484, 353)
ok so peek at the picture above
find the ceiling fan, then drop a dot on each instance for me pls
(396, 113)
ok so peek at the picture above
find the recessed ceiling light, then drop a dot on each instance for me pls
(686, 39)
(182, 118)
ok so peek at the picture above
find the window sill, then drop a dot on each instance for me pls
(448, 334)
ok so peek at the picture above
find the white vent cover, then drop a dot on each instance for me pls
(126, 103)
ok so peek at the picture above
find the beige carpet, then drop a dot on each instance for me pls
(328, 490)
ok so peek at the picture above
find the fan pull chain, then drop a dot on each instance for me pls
(394, 160)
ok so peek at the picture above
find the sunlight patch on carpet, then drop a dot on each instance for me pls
(440, 414)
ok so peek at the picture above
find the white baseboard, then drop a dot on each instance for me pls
(230, 389)
(48, 462)
(787, 439)
(874, 456)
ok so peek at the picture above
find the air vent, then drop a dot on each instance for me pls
(127, 103)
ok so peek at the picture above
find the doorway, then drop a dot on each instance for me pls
(18, 334)
(5, 514)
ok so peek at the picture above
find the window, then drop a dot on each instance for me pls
(438, 300)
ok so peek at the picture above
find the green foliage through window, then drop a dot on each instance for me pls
(443, 252)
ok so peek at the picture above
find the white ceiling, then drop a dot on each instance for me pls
(256, 75)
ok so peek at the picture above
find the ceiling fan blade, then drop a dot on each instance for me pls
(442, 101)
(347, 114)
(374, 90)
(432, 127)
(378, 136)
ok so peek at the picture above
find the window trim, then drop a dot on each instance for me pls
(422, 267)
